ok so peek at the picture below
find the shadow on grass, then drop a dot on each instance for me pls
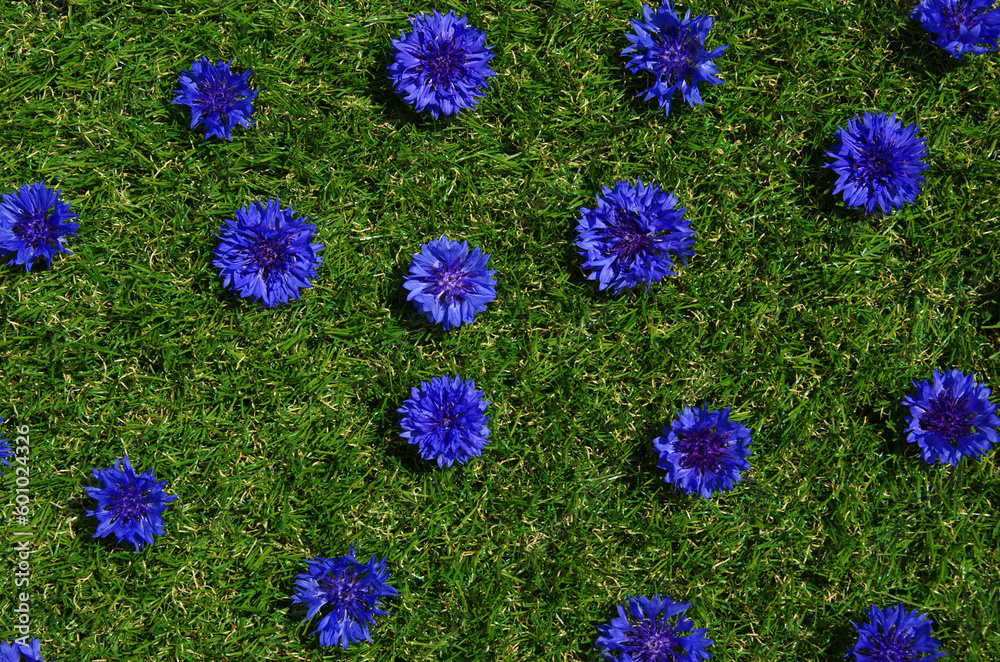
(841, 641)
(920, 55)
(990, 290)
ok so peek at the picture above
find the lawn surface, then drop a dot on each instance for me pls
(278, 428)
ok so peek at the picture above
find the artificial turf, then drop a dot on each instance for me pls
(278, 428)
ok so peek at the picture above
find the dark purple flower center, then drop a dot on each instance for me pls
(627, 230)
(892, 647)
(345, 590)
(948, 416)
(702, 449)
(450, 285)
(654, 641)
(958, 15)
(129, 505)
(217, 96)
(673, 54)
(447, 414)
(270, 256)
(443, 62)
(36, 227)
(877, 161)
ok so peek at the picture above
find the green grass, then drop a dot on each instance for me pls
(278, 429)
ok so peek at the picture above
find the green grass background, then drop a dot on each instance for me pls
(278, 430)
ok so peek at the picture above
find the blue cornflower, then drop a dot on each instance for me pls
(354, 592)
(893, 635)
(960, 26)
(643, 632)
(878, 161)
(17, 652)
(444, 417)
(266, 254)
(673, 51)
(448, 284)
(129, 506)
(629, 237)
(951, 417)
(5, 451)
(441, 65)
(218, 98)
(703, 451)
(33, 224)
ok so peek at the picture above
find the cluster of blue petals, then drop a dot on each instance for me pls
(960, 26)
(878, 162)
(672, 51)
(5, 451)
(632, 236)
(441, 65)
(703, 451)
(895, 635)
(266, 253)
(13, 651)
(34, 223)
(951, 417)
(449, 284)
(218, 98)
(129, 506)
(351, 593)
(645, 630)
(444, 418)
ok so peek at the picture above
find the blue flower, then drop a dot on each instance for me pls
(643, 632)
(673, 51)
(960, 26)
(441, 64)
(5, 451)
(444, 417)
(218, 98)
(448, 284)
(129, 506)
(893, 634)
(878, 161)
(16, 652)
(33, 224)
(951, 417)
(266, 254)
(703, 451)
(354, 592)
(629, 237)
